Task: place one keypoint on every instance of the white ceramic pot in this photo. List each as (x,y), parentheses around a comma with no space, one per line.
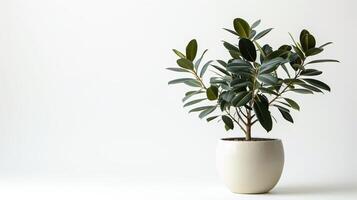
(250,166)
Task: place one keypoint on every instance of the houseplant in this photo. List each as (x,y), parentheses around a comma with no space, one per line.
(243,91)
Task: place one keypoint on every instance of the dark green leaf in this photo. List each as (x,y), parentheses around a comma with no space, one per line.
(204,68)
(193,102)
(270,65)
(313,51)
(282,108)
(234,54)
(241,99)
(191,50)
(231,31)
(261,109)
(176,69)
(292,103)
(262,34)
(221,70)
(230,46)
(212,93)
(325,44)
(228,121)
(308,42)
(286,70)
(310,72)
(322,60)
(211,118)
(301,91)
(247,49)
(241,27)
(184,63)
(206,112)
(221,62)
(310,87)
(201,108)
(318,84)
(268,90)
(286,115)
(268,79)
(178,53)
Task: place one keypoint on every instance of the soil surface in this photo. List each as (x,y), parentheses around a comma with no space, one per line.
(252,139)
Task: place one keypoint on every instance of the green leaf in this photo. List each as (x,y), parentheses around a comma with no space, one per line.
(201,108)
(231,31)
(204,68)
(262,34)
(191,50)
(176,69)
(313,51)
(301,91)
(206,112)
(268,91)
(286,70)
(212,93)
(268,79)
(286,115)
(261,109)
(178,53)
(241,27)
(318,84)
(310,87)
(230,46)
(193,102)
(190,94)
(255,24)
(271,65)
(292,103)
(310,72)
(181,80)
(198,62)
(184,63)
(321,60)
(211,118)
(193,83)
(228,121)
(328,43)
(221,62)
(234,54)
(247,49)
(241,99)
(221,69)
(308,42)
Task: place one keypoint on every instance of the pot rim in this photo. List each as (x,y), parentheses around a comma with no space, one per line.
(254,140)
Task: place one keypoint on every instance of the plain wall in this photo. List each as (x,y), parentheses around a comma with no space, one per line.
(84,94)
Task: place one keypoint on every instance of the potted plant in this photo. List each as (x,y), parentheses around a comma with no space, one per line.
(247,90)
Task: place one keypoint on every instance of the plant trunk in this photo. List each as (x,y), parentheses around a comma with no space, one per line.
(248,135)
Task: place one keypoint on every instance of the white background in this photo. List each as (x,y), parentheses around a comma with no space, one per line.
(85,109)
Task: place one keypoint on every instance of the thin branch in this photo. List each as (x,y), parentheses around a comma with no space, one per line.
(237,122)
(242,112)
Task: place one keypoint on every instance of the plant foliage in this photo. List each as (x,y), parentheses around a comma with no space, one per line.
(254,81)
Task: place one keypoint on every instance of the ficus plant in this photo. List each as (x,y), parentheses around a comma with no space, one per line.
(255,80)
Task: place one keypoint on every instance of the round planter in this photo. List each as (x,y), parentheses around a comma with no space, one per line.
(250,166)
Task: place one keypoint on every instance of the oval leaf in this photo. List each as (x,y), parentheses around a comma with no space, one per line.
(228,121)
(317,83)
(241,27)
(261,109)
(191,50)
(184,63)
(212,93)
(262,34)
(247,49)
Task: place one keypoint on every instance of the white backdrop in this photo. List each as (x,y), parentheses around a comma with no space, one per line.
(84,94)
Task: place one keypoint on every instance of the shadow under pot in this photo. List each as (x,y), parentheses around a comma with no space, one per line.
(250,167)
